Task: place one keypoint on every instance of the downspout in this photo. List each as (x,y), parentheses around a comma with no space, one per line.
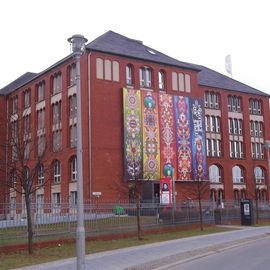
(6,158)
(90,128)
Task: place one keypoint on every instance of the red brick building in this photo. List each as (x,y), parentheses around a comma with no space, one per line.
(237,123)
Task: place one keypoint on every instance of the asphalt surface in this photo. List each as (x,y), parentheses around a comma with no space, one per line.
(161,255)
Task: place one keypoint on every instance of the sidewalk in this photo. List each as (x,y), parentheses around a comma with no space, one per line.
(157,255)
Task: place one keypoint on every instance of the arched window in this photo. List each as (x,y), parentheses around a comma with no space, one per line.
(161,80)
(71,75)
(215,174)
(57,172)
(129,74)
(238,175)
(259,175)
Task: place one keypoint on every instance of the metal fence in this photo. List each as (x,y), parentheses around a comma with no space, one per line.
(107,218)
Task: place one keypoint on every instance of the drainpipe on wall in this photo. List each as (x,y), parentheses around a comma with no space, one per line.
(89,124)
(6,161)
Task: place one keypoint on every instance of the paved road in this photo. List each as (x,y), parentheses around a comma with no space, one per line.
(159,255)
(252,255)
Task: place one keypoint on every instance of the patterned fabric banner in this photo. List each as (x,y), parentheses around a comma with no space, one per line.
(163,136)
(181,107)
(132,134)
(167,136)
(198,139)
(151,147)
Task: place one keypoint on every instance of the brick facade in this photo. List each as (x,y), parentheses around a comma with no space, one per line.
(102,127)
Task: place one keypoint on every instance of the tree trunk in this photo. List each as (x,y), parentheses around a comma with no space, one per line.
(138,206)
(200,206)
(29,223)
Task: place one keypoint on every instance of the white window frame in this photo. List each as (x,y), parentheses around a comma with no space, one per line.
(57,172)
(41,177)
(129,74)
(215,174)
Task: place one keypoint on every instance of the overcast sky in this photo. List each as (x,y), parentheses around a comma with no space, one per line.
(34,32)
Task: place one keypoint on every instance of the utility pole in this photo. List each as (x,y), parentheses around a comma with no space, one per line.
(78,48)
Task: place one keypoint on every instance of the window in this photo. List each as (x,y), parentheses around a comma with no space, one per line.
(256,129)
(73,106)
(73,164)
(181,82)
(71,75)
(57,172)
(27,98)
(129,74)
(255,106)
(215,174)
(235,126)
(145,77)
(56,199)
(57,142)
(236,149)
(15,104)
(234,104)
(40,201)
(211,100)
(213,148)
(257,150)
(26,125)
(161,80)
(41,119)
(236,197)
(73,135)
(107,69)
(207,123)
(13,179)
(13,203)
(41,145)
(40,91)
(73,198)
(259,175)
(99,68)
(56,83)
(56,110)
(238,175)
(26,149)
(41,177)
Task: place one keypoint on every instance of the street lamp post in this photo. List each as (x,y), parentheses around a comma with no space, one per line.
(78,48)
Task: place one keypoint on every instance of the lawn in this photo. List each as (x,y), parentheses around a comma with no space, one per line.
(20,259)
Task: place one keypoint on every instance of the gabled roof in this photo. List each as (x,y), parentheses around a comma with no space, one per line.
(114,43)
(211,78)
(26,77)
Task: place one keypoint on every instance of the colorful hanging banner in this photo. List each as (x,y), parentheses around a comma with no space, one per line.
(181,107)
(163,136)
(198,139)
(167,136)
(150,126)
(132,134)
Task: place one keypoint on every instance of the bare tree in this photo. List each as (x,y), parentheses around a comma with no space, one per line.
(200,190)
(24,161)
(134,190)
